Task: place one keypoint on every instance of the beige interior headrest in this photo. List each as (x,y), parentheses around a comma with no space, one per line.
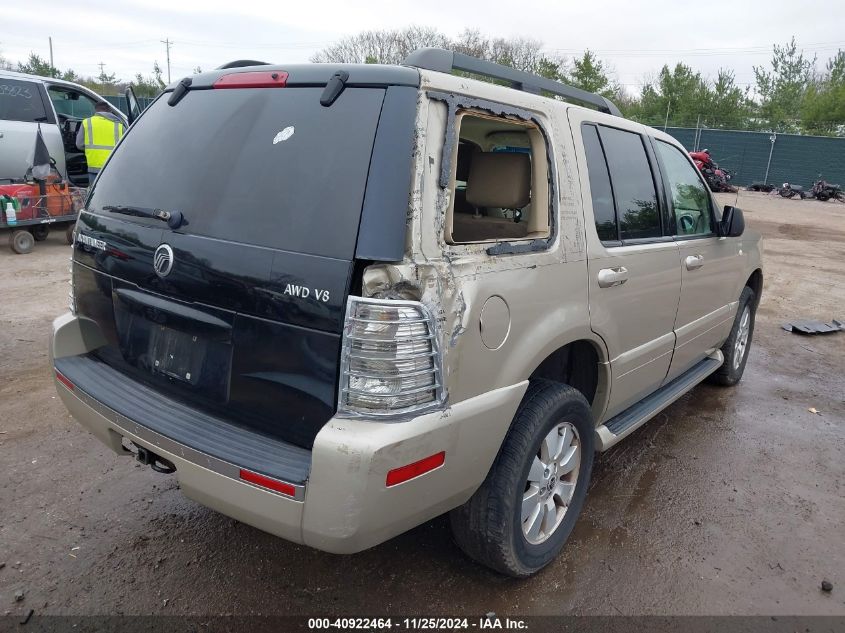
(499,180)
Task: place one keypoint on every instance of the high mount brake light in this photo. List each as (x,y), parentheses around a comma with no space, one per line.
(253,79)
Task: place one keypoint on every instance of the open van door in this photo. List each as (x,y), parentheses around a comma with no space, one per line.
(133,107)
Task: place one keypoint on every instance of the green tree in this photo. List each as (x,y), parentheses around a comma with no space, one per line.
(681,92)
(783,88)
(149,86)
(35,65)
(106,79)
(730,106)
(591,74)
(823,108)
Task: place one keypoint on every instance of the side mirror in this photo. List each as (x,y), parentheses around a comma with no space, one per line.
(733,222)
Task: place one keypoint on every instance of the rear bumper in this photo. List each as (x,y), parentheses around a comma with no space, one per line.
(344,506)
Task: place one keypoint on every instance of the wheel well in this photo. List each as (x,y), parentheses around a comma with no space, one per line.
(575,364)
(755,282)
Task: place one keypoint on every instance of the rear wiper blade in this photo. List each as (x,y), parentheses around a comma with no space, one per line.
(174,219)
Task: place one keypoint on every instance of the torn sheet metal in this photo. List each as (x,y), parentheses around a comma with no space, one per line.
(810,326)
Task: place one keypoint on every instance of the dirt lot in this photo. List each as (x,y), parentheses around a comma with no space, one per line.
(730,502)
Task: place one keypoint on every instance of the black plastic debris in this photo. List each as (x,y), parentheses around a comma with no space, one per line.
(810,326)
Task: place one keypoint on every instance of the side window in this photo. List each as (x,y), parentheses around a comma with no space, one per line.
(20,101)
(633,185)
(70,103)
(690,199)
(604,211)
(499,183)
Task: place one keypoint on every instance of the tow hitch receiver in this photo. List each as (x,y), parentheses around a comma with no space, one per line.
(156,462)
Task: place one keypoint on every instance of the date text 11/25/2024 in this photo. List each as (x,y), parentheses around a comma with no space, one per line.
(487,622)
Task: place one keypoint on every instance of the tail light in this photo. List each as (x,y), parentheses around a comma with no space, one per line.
(390,359)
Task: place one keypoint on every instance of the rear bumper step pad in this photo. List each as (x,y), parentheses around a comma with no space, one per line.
(185,425)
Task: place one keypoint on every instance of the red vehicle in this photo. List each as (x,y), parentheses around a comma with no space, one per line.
(716,177)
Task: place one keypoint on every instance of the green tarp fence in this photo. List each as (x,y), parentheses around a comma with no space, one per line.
(119,102)
(795,158)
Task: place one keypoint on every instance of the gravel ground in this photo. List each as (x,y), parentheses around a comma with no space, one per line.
(732,501)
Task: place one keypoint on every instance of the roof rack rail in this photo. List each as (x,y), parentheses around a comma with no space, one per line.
(240,63)
(445,61)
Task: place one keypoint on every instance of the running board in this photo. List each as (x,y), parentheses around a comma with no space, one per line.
(641,412)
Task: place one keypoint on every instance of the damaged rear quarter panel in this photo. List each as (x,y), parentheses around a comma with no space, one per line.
(545,289)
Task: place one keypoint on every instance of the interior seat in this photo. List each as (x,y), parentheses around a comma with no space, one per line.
(496,180)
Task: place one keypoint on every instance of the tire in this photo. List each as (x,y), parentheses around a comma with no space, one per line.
(22,242)
(786,193)
(489,527)
(735,351)
(823,196)
(40,232)
(69,234)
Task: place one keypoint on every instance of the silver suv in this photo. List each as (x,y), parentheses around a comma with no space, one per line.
(28,102)
(343,300)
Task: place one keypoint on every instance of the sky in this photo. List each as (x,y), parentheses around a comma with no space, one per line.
(635,37)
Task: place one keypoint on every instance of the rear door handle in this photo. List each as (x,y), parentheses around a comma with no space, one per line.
(694,261)
(609,277)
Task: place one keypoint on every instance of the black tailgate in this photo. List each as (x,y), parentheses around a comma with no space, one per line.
(246,325)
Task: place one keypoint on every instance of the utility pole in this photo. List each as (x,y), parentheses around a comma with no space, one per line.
(102,75)
(666,123)
(52,74)
(167,44)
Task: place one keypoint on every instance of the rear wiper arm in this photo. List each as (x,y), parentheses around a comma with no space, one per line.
(174,219)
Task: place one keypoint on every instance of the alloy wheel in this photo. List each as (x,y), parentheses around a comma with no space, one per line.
(551,483)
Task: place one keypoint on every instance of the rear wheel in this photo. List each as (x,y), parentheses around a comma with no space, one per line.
(69,233)
(823,196)
(22,242)
(735,349)
(519,519)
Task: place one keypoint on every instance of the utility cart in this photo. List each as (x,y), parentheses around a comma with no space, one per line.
(29,210)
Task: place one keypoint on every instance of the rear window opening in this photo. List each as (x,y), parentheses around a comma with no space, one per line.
(499,181)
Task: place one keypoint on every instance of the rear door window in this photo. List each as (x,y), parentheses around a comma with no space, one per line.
(21,101)
(634,192)
(604,210)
